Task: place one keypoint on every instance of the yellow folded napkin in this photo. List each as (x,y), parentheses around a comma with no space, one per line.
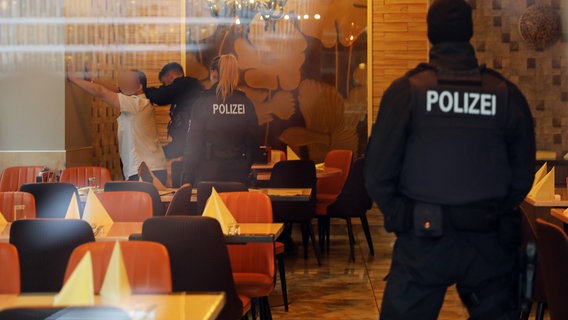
(320,166)
(145,174)
(3,221)
(73,209)
(95,214)
(290,154)
(79,289)
(216,208)
(115,284)
(544,189)
(540,174)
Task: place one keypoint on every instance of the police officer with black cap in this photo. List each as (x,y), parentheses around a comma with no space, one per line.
(451,156)
(223,136)
(179,92)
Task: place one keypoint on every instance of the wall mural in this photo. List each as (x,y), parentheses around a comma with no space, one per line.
(303,66)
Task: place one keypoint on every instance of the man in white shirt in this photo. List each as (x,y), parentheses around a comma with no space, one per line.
(137,133)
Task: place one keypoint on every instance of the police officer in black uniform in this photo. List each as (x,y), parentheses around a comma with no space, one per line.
(451,156)
(180,92)
(223,137)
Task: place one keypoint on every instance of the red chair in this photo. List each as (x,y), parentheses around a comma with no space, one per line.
(9,269)
(253,263)
(13,177)
(9,199)
(79,176)
(552,248)
(127,206)
(147,265)
(329,188)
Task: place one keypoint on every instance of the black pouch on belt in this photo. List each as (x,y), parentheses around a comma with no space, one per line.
(428,220)
(481,217)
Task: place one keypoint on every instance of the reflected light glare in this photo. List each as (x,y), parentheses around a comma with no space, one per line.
(362,66)
(317,16)
(286,17)
(306,17)
(238,21)
(351,37)
(299,17)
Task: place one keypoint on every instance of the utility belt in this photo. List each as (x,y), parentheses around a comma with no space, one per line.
(217,153)
(429,220)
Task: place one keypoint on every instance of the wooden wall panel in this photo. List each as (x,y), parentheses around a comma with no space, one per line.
(399,42)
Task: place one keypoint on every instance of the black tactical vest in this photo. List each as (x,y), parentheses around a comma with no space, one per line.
(456,151)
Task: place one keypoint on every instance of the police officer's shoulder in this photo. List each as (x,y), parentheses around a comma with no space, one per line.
(422,67)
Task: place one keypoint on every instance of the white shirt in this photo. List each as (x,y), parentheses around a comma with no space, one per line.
(138,136)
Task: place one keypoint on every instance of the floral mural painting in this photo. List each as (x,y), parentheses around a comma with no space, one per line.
(272,60)
(327,126)
(306,74)
(330,20)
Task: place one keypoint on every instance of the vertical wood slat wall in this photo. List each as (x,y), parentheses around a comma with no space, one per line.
(399,42)
(119,44)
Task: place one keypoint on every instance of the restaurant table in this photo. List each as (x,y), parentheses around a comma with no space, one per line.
(120,231)
(285,194)
(541,209)
(263,171)
(186,306)
(165,195)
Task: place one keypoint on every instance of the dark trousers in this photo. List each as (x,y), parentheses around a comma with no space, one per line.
(422,269)
(162,175)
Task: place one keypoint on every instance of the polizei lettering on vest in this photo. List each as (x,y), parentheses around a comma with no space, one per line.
(228,108)
(475,103)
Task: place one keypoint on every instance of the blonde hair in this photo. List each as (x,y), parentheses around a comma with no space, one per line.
(228,68)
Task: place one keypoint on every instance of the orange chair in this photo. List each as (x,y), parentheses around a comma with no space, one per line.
(147,265)
(13,177)
(329,188)
(9,269)
(127,206)
(79,176)
(253,263)
(9,199)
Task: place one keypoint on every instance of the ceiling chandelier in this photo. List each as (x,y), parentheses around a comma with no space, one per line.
(243,11)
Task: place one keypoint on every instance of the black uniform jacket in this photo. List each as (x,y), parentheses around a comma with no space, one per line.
(385,157)
(221,131)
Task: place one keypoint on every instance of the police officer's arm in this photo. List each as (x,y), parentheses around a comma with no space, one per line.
(195,141)
(385,152)
(521,148)
(165,95)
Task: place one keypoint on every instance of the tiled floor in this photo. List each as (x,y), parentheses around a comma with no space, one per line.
(340,289)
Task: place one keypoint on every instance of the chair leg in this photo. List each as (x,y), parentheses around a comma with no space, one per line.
(305,239)
(327,232)
(282,272)
(540,308)
(525,313)
(365,224)
(351,239)
(321,232)
(313,237)
(264,308)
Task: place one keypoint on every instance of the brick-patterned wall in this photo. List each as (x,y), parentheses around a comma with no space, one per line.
(399,41)
(542,75)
